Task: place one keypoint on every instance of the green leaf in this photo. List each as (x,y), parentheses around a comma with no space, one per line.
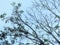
(46,40)
(3,15)
(57,26)
(13,4)
(19,4)
(21,11)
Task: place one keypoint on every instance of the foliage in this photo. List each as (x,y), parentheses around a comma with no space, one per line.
(41,26)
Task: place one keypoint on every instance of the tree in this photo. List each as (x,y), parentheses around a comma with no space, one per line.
(40,25)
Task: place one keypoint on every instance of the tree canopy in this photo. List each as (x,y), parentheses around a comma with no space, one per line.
(40,26)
